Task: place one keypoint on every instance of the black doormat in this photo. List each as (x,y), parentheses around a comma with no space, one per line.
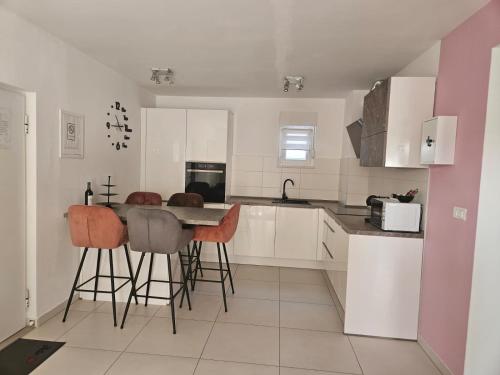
(23,355)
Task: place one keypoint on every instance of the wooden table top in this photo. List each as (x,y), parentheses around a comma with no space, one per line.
(186,215)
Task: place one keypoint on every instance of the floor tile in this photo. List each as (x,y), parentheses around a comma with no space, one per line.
(157,338)
(310,316)
(392,357)
(77,361)
(259,273)
(208,367)
(96,331)
(85,305)
(256,289)
(251,311)
(204,307)
(307,293)
(55,328)
(302,276)
(298,371)
(323,351)
(243,343)
(134,309)
(148,364)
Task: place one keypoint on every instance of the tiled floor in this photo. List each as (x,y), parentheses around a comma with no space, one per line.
(280,321)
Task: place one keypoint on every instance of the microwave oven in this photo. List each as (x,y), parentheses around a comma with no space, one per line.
(391,215)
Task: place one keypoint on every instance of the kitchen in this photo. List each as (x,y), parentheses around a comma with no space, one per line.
(353,249)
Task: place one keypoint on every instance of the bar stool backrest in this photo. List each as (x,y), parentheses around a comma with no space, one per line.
(144,198)
(96,227)
(186,200)
(153,231)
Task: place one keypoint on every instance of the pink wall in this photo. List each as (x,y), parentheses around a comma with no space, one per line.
(449,247)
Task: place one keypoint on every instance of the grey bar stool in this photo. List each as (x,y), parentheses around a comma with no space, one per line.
(156,231)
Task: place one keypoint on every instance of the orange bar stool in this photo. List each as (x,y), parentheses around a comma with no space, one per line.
(221,234)
(98,227)
(144,198)
(189,200)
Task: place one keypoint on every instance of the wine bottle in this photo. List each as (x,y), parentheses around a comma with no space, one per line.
(89,195)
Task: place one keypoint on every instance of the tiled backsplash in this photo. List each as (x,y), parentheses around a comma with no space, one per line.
(357,183)
(260,176)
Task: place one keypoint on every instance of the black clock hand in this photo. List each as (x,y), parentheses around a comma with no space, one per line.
(118,123)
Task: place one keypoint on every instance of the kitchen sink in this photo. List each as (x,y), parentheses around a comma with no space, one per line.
(291,201)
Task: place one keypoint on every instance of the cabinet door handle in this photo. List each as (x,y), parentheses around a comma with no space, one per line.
(327,250)
(328,226)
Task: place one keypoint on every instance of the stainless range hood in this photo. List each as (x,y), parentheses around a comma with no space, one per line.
(354,131)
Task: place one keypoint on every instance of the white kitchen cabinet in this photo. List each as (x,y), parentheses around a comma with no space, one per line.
(163,145)
(383,286)
(207,135)
(393,113)
(335,246)
(296,233)
(438,140)
(256,231)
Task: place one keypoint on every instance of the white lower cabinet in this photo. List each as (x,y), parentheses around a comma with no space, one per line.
(256,231)
(376,279)
(296,233)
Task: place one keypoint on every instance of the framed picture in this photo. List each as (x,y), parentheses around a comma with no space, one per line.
(72,135)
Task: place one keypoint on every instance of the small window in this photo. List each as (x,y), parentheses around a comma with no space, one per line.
(297,145)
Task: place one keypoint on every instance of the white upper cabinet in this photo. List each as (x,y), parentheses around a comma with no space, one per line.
(207,135)
(296,233)
(163,155)
(438,140)
(393,114)
(256,231)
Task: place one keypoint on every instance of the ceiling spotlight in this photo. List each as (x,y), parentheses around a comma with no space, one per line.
(297,81)
(286,85)
(167,74)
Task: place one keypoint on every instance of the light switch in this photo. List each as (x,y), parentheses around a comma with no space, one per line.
(460,213)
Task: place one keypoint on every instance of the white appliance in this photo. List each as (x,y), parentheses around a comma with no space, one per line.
(392,215)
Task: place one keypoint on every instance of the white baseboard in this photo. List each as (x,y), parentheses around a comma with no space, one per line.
(53,312)
(434,357)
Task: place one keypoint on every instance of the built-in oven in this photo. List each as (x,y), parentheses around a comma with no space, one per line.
(206,179)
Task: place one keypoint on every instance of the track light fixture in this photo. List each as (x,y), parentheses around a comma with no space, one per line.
(167,74)
(297,81)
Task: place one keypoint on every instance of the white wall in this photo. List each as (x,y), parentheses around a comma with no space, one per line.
(483,335)
(62,77)
(255,145)
(425,65)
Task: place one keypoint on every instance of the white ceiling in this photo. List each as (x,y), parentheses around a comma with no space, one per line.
(245,47)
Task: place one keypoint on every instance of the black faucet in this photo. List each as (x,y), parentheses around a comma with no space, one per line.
(284,196)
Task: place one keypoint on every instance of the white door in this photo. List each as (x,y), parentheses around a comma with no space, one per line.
(207,135)
(164,144)
(12,214)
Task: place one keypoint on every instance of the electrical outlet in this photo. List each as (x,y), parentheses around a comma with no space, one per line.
(460,213)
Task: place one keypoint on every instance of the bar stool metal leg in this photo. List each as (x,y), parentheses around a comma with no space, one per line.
(171,292)
(228,267)
(130,272)
(185,289)
(222,277)
(97,273)
(112,276)
(150,272)
(198,258)
(133,289)
(75,283)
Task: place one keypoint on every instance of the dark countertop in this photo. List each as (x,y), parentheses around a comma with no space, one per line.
(351,219)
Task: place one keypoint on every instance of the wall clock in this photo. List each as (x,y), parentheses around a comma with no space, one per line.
(117,126)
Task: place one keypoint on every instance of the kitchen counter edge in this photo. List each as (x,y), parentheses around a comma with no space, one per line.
(351,219)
